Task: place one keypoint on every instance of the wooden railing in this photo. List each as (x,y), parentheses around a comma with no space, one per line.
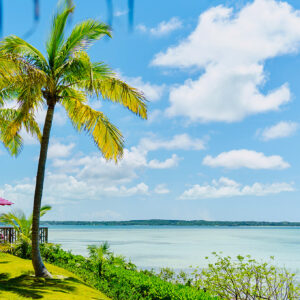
(9,235)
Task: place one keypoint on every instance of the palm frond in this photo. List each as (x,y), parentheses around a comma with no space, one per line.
(106,136)
(11,122)
(81,37)
(116,90)
(14,143)
(45,209)
(16,72)
(15,45)
(75,68)
(15,219)
(56,38)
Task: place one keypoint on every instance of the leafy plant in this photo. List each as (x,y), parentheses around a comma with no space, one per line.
(22,225)
(120,281)
(166,274)
(246,278)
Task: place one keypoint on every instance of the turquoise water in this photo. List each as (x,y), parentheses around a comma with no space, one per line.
(182,247)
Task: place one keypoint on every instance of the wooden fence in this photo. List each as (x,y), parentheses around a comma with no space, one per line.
(9,235)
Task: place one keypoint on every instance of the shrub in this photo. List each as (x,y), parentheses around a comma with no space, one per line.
(118,278)
(245,278)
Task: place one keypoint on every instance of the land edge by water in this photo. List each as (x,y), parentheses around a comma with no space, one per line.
(161,222)
(17,282)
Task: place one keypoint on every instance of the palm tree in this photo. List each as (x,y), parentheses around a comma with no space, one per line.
(66,77)
(22,224)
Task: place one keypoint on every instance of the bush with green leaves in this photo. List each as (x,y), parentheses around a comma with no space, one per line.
(245,278)
(23,228)
(118,278)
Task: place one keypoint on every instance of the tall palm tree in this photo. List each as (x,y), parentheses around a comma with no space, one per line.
(65,76)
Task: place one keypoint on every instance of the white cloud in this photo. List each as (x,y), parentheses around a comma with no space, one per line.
(280,130)
(63,188)
(225,187)
(57,150)
(28,139)
(178,142)
(244,158)
(78,177)
(168,163)
(161,189)
(96,170)
(154,116)
(231,49)
(152,92)
(163,28)
(166,27)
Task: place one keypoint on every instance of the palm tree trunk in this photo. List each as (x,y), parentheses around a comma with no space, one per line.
(39,267)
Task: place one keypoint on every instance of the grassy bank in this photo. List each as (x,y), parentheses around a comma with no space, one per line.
(17,282)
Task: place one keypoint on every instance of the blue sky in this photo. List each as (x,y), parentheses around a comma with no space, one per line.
(222,138)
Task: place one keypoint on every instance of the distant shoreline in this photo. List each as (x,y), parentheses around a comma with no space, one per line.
(157,222)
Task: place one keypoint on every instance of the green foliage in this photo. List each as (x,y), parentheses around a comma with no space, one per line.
(245,278)
(22,225)
(166,274)
(119,279)
(65,76)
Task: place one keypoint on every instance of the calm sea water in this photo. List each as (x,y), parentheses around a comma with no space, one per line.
(182,247)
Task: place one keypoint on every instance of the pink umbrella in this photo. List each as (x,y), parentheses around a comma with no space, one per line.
(5,202)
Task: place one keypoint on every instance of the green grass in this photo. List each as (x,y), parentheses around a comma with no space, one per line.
(17,282)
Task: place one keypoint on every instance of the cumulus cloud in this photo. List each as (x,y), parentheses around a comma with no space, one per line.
(161,189)
(152,92)
(57,150)
(64,188)
(95,168)
(154,116)
(78,177)
(225,187)
(178,142)
(280,130)
(163,28)
(232,57)
(244,158)
(168,163)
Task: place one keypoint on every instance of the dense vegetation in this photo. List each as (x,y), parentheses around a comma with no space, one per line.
(115,277)
(157,222)
(224,278)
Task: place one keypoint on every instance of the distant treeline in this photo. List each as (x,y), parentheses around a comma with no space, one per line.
(157,222)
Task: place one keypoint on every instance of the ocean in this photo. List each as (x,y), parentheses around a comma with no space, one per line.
(184,247)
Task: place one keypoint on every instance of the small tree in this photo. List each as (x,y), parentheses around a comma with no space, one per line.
(23,227)
(245,278)
(98,254)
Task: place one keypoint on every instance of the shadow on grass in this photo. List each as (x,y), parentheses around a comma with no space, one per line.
(35,288)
